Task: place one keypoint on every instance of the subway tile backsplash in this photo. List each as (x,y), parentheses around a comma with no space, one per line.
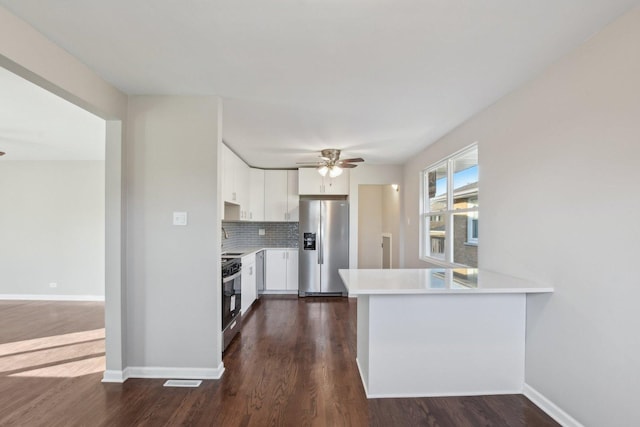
(245,235)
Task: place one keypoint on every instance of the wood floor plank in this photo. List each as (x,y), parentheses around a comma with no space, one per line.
(293,364)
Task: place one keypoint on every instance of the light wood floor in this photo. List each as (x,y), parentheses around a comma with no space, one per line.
(292,365)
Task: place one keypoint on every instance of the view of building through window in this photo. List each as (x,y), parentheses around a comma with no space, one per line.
(450,209)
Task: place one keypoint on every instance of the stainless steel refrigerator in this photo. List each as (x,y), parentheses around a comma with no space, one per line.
(324,246)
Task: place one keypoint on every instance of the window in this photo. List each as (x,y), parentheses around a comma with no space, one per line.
(449,229)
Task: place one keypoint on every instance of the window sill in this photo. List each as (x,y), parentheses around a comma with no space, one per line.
(471,244)
(439,263)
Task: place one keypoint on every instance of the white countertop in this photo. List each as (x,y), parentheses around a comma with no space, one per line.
(435,281)
(241,252)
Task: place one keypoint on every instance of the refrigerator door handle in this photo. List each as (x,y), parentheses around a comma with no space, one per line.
(319,243)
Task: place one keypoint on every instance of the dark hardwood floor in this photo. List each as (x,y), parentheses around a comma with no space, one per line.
(292,365)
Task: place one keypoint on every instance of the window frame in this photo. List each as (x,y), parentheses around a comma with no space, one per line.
(448,213)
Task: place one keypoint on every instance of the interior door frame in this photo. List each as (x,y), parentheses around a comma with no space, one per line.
(390,237)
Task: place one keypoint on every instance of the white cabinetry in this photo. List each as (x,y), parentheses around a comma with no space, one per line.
(292,270)
(281,270)
(256,194)
(311,182)
(281,195)
(248,282)
(236,186)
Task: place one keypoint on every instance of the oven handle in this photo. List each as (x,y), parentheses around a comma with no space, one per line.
(232,277)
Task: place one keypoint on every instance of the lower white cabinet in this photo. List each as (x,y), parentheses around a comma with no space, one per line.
(248,282)
(281,270)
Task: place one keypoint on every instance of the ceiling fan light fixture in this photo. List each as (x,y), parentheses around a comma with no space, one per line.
(335,171)
(322,170)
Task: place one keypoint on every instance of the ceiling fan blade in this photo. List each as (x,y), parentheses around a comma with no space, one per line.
(347,165)
(310,163)
(354,160)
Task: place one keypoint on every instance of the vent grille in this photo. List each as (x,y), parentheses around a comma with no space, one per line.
(183,383)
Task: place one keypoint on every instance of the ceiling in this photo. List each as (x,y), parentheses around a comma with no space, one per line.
(379,79)
(38,125)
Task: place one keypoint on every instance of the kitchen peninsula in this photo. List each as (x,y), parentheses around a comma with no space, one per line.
(440,332)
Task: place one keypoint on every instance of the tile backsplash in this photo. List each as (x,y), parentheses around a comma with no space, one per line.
(245,235)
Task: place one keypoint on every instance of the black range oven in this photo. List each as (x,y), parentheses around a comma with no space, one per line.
(231,299)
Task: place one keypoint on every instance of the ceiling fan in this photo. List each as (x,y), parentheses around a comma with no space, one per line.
(330,163)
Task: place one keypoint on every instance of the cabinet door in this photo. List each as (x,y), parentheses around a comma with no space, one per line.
(293,199)
(275,197)
(292,269)
(256,194)
(228,178)
(275,269)
(242,188)
(338,185)
(309,181)
(248,282)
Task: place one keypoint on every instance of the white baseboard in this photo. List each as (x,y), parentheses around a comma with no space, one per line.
(279,292)
(174,373)
(443,394)
(549,407)
(36,297)
(111,376)
(366,392)
(415,395)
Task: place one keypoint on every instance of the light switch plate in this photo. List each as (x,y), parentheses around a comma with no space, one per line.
(260,231)
(179,218)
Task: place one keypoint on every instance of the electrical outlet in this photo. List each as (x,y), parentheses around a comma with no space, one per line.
(53,285)
(260,231)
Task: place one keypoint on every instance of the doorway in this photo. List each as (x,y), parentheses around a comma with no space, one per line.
(378,223)
(53,223)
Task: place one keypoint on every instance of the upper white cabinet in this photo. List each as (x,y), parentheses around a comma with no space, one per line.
(293,200)
(310,182)
(250,194)
(281,195)
(256,195)
(235,185)
(228,175)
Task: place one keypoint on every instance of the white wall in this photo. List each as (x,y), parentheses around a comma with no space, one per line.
(369,226)
(369,174)
(391,221)
(26,52)
(558,203)
(52,228)
(173,289)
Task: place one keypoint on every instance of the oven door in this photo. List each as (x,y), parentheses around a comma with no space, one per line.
(230,298)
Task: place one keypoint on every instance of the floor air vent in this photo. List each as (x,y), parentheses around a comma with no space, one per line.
(183,383)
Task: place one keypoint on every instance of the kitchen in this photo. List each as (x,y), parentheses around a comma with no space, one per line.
(554,151)
(265,212)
